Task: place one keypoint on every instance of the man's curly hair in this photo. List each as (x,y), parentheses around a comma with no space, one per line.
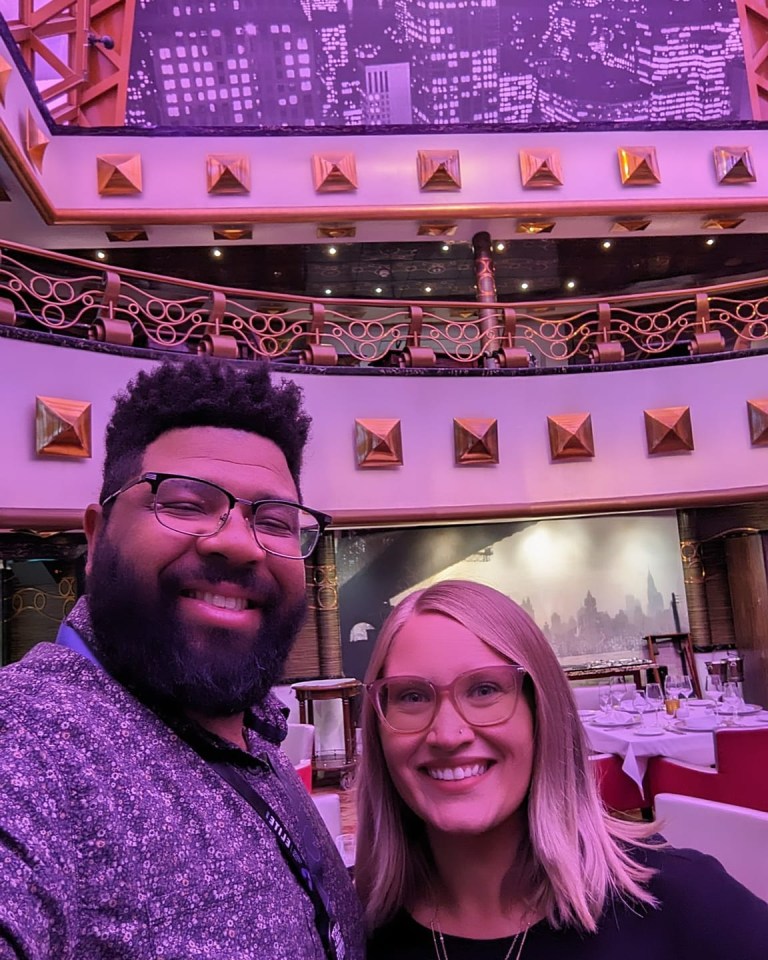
(201,393)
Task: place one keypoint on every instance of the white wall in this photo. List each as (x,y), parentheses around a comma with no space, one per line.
(429,480)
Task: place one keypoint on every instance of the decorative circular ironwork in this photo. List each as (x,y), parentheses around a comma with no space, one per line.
(746,310)
(165,334)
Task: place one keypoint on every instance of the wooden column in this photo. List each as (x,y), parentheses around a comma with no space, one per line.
(748,583)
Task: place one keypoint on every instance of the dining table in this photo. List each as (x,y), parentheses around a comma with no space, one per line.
(636,746)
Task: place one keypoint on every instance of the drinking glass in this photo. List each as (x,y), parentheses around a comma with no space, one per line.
(713,691)
(686,686)
(604,697)
(655,699)
(617,689)
(672,691)
(731,701)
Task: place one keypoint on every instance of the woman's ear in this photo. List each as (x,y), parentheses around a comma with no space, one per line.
(93,521)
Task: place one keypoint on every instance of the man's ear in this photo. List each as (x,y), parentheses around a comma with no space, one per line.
(93,521)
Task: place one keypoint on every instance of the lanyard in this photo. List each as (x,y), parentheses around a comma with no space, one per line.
(327,925)
(306,874)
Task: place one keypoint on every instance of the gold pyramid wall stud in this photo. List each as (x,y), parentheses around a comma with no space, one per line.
(722,223)
(5,75)
(540,168)
(757,411)
(118,174)
(437,229)
(62,427)
(334,172)
(35,141)
(570,435)
(734,165)
(475,441)
(336,231)
(227,174)
(535,226)
(129,235)
(438,169)
(232,233)
(378,443)
(630,225)
(668,430)
(638,166)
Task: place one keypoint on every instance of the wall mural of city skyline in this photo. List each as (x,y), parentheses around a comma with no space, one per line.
(595,585)
(434,63)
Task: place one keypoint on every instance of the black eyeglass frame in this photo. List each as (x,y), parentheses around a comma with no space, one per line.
(372,690)
(155,479)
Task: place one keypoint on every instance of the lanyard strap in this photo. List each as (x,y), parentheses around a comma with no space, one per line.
(327,925)
(307,875)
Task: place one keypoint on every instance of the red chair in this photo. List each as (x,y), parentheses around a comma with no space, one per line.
(740,777)
(618,791)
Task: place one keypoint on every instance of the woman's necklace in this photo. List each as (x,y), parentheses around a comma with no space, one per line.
(442,954)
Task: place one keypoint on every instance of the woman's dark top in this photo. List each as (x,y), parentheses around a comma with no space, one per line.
(703,914)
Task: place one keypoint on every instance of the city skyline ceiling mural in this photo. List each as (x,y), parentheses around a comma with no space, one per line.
(435,63)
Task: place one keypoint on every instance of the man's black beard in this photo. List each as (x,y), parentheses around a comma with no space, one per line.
(141,642)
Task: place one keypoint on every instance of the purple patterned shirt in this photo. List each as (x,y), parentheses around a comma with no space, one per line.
(118,841)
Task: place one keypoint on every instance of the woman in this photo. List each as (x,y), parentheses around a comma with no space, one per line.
(481,832)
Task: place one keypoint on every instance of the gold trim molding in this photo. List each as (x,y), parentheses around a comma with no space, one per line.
(334,172)
(378,443)
(35,141)
(668,430)
(757,411)
(228,174)
(570,436)
(438,169)
(734,165)
(475,441)
(638,166)
(5,75)
(135,235)
(119,174)
(62,427)
(540,169)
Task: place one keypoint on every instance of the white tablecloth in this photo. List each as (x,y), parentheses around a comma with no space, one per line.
(698,748)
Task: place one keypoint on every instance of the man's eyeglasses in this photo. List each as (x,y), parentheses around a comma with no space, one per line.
(200,508)
(482,697)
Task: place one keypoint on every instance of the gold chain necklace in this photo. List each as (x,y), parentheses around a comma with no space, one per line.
(442,954)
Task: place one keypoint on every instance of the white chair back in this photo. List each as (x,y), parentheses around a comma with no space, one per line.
(329,807)
(736,836)
(299,742)
(587,696)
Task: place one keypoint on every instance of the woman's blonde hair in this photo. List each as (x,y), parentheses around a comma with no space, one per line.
(575,850)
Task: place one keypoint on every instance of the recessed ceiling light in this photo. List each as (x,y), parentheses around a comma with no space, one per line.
(378,290)
(500,247)
(607,244)
(445,247)
(427,289)
(100,255)
(571,284)
(524,285)
(328,291)
(710,241)
(332,251)
(216,252)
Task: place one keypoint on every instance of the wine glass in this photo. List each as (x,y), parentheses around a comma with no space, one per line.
(604,697)
(617,689)
(731,701)
(655,699)
(686,686)
(713,691)
(672,691)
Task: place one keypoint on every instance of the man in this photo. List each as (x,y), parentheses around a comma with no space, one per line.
(145,807)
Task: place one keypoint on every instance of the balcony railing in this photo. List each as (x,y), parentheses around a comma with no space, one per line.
(42,290)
